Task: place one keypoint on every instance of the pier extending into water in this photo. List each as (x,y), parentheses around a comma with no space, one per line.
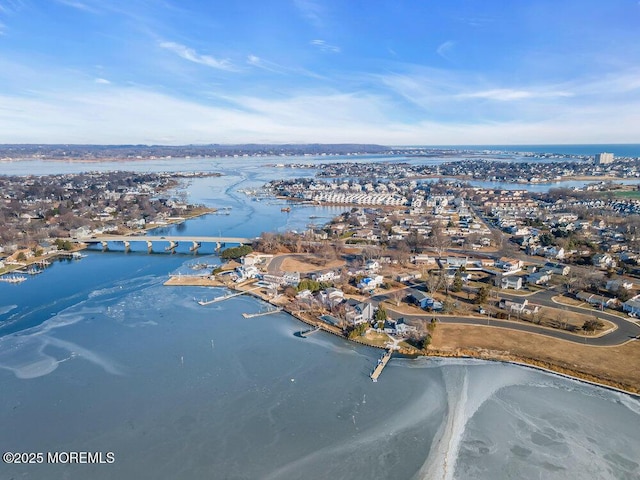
(306,333)
(260,314)
(382,362)
(226,297)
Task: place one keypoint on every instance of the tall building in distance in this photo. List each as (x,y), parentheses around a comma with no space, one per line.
(604,158)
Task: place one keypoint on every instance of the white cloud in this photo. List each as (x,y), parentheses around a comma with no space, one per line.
(193,56)
(131,115)
(445,48)
(508,94)
(102,81)
(325,47)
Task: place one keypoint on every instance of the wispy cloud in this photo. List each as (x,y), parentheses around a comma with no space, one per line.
(102,81)
(312,11)
(129,115)
(444,49)
(324,46)
(508,94)
(195,57)
(78,5)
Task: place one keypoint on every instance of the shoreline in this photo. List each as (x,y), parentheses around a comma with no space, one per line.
(556,368)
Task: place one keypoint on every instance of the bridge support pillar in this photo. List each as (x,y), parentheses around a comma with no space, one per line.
(172,247)
(127,246)
(194,248)
(105,246)
(149,247)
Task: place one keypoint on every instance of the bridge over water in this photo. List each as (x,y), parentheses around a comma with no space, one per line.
(163,238)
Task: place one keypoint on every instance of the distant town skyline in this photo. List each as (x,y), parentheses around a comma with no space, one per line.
(457,72)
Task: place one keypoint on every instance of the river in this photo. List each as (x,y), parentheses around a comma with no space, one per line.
(97,355)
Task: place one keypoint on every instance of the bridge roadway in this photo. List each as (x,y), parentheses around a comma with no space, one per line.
(164,238)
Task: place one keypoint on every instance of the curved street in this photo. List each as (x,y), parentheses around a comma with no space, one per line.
(626,330)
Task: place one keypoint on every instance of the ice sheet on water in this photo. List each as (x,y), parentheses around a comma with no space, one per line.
(7,308)
(26,353)
(468,386)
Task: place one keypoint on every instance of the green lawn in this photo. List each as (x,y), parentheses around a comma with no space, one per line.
(632,194)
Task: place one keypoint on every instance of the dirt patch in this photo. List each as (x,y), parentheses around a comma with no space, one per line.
(615,366)
(308,263)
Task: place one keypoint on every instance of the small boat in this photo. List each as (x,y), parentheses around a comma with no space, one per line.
(285,209)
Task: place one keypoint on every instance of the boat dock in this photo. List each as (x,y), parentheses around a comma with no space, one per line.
(226,297)
(382,362)
(306,333)
(260,314)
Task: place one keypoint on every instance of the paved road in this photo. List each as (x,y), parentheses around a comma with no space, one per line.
(627,329)
(625,332)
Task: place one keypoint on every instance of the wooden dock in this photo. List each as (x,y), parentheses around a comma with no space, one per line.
(382,362)
(227,296)
(260,314)
(306,333)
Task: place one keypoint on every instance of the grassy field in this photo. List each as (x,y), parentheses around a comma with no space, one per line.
(631,194)
(617,366)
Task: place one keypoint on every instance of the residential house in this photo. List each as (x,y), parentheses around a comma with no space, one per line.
(420,298)
(358,312)
(508,281)
(403,328)
(372,266)
(539,278)
(519,306)
(615,285)
(280,279)
(245,273)
(603,260)
(632,306)
(594,299)
(510,265)
(325,276)
(370,283)
(330,297)
(408,276)
(423,260)
(557,268)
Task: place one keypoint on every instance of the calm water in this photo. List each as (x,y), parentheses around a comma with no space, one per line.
(98,355)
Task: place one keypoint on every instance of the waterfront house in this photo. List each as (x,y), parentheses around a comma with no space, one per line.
(358,312)
(330,297)
(245,273)
(403,328)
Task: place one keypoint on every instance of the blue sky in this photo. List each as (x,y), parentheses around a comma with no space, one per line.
(401,72)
